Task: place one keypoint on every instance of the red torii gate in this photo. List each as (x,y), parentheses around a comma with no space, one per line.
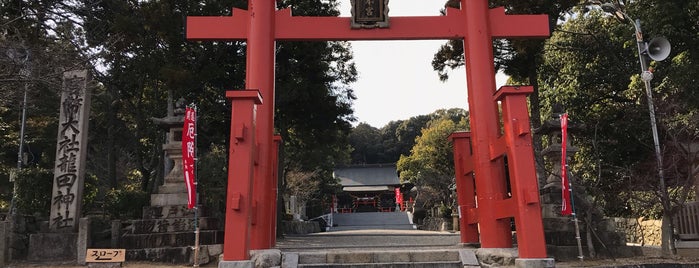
(251,194)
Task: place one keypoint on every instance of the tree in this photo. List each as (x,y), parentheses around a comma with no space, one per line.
(591,67)
(366,143)
(146,53)
(430,164)
(37,43)
(516,58)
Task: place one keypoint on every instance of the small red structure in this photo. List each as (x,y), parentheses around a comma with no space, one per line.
(261,25)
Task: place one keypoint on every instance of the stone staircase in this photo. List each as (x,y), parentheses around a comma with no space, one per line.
(166,231)
(372,220)
(375,239)
(431,258)
(166,234)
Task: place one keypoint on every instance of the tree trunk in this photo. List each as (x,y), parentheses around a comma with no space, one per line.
(111,136)
(667,235)
(535,119)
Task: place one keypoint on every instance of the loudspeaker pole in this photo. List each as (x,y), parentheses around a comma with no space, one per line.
(647,76)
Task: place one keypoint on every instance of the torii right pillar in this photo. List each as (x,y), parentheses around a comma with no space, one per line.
(497,204)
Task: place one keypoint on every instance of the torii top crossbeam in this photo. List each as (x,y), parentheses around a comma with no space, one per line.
(290,28)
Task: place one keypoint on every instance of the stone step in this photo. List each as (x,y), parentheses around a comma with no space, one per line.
(175,255)
(373,218)
(168,199)
(172,211)
(385,258)
(171,225)
(170,188)
(164,240)
(440,264)
(380,256)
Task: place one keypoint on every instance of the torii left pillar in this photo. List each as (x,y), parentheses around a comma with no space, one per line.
(261,25)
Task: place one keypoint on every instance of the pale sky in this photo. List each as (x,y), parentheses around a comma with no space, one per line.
(396,80)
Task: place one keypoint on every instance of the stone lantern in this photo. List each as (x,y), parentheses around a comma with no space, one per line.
(558,230)
(173,191)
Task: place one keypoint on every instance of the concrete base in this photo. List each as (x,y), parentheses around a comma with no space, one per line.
(687,248)
(236,264)
(53,247)
(535,263)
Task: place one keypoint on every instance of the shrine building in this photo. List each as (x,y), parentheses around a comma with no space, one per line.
(369,188)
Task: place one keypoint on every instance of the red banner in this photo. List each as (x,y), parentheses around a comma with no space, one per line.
(189,131)
(566,208)
(399,197)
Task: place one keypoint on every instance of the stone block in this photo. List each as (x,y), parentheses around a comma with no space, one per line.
(168,212)
(172,188)
(204,256)
(687,248)
(53,246)
(468,257)
(688,252)
(290,259)
(535,263)
(497,256)
(173,255)
(434,255)
(350,257)
(266,258)
(157,240)
(170,225)
(215,250)
(168,199)
(236,264)
(301,227)
(391,256)
(312,257)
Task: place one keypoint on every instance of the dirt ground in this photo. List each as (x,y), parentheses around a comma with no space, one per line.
(628,261)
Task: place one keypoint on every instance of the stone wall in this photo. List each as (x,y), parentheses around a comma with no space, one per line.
(435,224)
(300,227)
(639,231)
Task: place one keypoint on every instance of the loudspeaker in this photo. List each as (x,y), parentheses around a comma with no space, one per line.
(658,48)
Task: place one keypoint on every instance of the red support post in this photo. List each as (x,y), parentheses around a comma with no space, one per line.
(465,187)
(490,178)
(260,75)
(523,181)
(240,174)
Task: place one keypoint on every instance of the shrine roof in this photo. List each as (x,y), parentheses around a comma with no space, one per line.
(367,175)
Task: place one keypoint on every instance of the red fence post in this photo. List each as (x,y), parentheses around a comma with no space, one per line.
(465,187)
(523,181)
